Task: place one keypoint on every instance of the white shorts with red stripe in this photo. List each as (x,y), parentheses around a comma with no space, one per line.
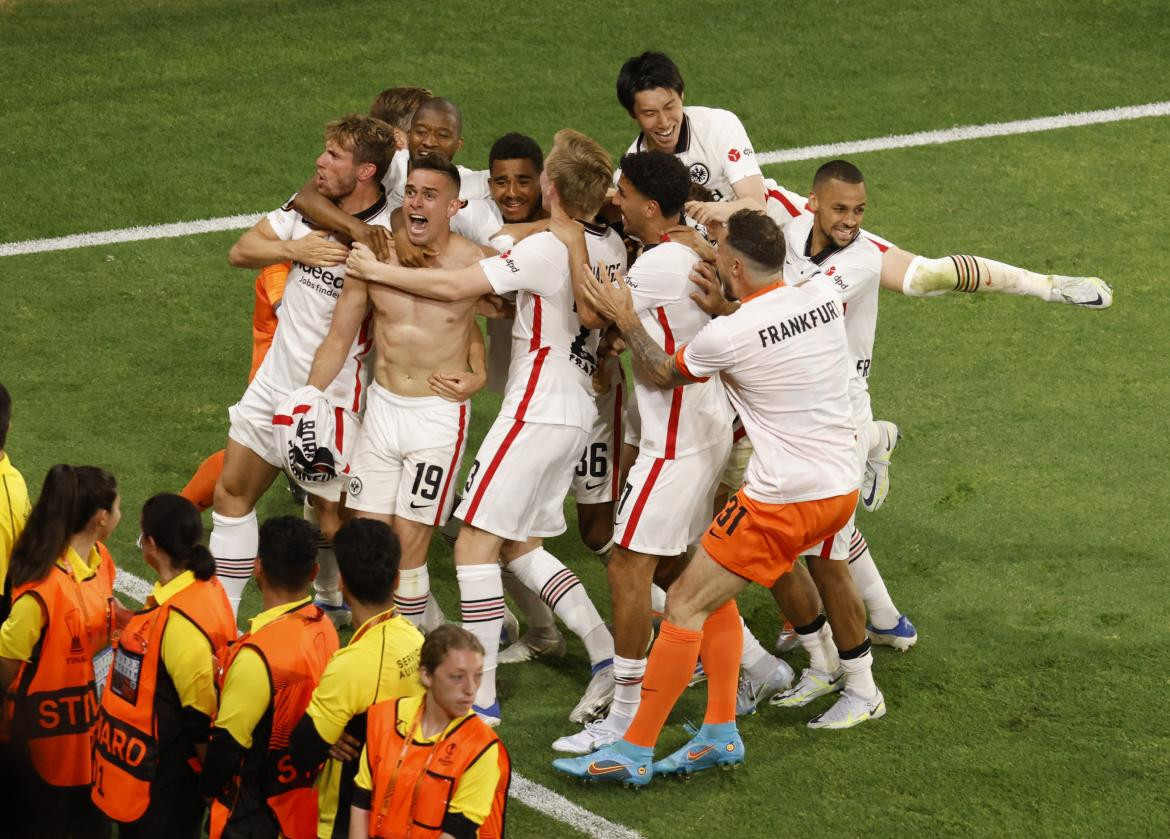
(667,504)
(251,427)
(517,485)
(848,543)
(595,480)
(408,456)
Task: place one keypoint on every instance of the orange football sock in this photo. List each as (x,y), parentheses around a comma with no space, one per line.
(719,652)
(672,661)
(200,490)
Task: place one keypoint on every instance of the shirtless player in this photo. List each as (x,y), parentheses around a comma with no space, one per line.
(418,409)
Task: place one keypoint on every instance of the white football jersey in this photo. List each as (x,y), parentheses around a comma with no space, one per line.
(553,355)
(472,183)
(784,360)
(686,419)
(853,273)
(479,219)
(306,311)
(715,148)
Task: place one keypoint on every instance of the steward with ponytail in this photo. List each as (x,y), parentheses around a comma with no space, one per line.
(162,694)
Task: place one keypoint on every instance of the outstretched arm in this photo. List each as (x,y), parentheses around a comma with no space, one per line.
(447,284)
(348,315)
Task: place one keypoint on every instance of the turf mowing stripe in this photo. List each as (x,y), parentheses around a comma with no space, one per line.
(966,132)
(892,141)
(528,792)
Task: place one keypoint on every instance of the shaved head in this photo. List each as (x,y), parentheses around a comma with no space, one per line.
(439,105)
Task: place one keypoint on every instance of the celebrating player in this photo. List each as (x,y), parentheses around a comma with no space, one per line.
(515,490)
(783,360)
(349,172)
(418,408)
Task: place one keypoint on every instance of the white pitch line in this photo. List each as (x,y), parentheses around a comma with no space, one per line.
(966,132)
(540,798)
(893,141)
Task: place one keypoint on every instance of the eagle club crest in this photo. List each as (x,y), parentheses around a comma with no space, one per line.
(699,173)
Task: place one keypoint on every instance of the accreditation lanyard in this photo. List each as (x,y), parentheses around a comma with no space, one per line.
(406,744)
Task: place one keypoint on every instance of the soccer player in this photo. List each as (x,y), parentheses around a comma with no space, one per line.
(437,126)
(712,143)
(349,172)
(156,712)
(784,363)
(273,671)
(418,408)
(514,494)
(402,790)
(14,504)
(685,434)
(380,662)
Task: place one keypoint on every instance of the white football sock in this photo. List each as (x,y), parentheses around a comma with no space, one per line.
(563,592)
(754,660)
(657,599)
(627,691)
(412,593)
(822,654)
(481,599)
(538,617)
(883,614)
(859,674)
(234,542)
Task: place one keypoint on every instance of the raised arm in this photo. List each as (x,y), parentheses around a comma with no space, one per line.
(447,284)
(260,246)
(348,315)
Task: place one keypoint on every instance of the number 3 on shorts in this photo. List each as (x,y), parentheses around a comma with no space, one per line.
(730,516)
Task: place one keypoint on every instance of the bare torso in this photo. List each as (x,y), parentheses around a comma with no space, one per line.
(415,337)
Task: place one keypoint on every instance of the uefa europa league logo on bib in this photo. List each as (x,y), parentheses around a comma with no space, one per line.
(73,624)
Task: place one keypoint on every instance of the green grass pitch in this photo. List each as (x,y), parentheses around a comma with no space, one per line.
(1024,534)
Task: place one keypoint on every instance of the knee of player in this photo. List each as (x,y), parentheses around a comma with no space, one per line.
(228,501)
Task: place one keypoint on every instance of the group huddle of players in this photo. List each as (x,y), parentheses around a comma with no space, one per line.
(365,399)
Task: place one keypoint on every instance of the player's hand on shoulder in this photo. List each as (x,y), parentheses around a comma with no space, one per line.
(709,297)
(457,387)
(567,231)
(376,238)
(317,250)
(409,254)
(692,239)
(361,263)
(611,297)
(707,213)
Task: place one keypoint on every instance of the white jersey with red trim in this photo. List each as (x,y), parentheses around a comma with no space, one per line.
(306,311)
(479,220)
(553,355)
(783,205)
(853,273)
(715,148)
(473,183)
(783,357)
(686,419)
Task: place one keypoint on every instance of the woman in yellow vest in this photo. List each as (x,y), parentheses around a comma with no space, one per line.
(62,616)
(431,767)
(156,710)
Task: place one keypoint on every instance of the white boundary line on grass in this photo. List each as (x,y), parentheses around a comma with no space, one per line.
(540,798)
(893,141)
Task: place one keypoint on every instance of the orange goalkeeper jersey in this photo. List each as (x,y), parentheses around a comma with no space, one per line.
(269,290)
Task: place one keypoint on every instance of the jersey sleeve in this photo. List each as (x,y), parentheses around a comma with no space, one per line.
(476,787)
(656,283)
(852,281)
(284,220)
(738,155)
(22,628)
(709,352)
(272,279)
(246,692)
(187,655)
(538,264)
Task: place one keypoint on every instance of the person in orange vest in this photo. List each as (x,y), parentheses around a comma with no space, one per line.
(431,767)
(273,669)
(62,616)
(155,715)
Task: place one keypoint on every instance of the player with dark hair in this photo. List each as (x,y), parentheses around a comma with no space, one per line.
(429,361)
(380,662)
(396,106)
(271,674)
(711,143)
(514,165)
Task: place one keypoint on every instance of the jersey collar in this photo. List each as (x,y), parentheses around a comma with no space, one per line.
(759,291)
(162,593)
(268,616)
(590,227)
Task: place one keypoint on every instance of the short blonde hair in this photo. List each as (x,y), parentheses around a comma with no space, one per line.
(581,170)
(370,140)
